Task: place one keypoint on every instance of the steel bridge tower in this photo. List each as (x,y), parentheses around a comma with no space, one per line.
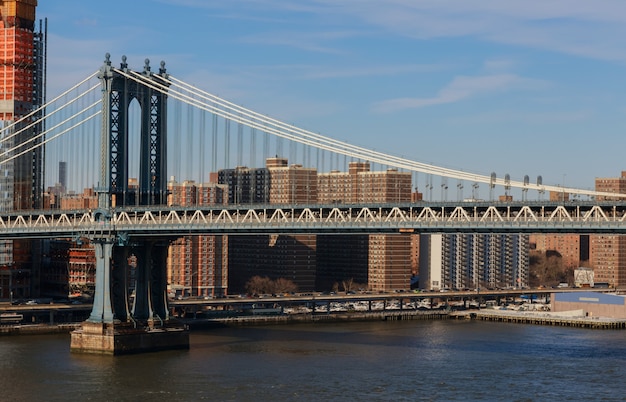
(115,312)
(118,92)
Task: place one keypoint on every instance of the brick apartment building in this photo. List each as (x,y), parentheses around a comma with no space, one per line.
(380,262)
(573,248)
(608,252)
(275,256)
(320,262)
(197,266)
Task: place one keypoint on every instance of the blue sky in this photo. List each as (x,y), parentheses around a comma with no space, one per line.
(524,87)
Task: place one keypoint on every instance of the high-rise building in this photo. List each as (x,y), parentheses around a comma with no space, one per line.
(573,248)
(291,184)
(608,252)
(468,261)
(246,185)
(360,185)
(275,256)
(378,262)
(22,91)
(197,266)
(611,185)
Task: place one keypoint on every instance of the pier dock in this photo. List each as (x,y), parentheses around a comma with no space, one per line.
(541,318)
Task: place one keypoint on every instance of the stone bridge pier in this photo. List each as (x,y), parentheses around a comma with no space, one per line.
(130,312)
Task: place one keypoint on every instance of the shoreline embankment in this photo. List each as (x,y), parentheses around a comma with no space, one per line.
(570,319)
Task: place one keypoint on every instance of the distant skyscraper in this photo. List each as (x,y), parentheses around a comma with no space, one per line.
(63,175)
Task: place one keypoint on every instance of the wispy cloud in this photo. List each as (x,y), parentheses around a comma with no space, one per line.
(310,41)
(461,88)
(371,70)
(582,28)
(315,72)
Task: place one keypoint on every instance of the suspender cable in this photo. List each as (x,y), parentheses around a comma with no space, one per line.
(283,130)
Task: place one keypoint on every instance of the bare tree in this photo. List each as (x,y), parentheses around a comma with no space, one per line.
(259,285)
(283,285)
(264,285)
(347,284)
(546,268)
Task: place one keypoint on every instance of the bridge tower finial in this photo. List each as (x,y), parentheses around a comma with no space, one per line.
(146,67)
(162,70)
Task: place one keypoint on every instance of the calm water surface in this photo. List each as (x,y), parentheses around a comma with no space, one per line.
(377,361)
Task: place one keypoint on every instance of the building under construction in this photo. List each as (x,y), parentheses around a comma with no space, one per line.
(22,93)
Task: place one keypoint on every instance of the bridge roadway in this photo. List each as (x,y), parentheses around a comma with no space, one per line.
(235,302)
(61,312)
(47,313)
(421,217)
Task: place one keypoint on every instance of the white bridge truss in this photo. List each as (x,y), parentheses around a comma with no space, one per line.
(539,217)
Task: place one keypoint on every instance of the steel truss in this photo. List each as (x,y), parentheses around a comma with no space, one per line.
(388,218)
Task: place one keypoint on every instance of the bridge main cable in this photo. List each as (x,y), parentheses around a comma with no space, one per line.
(43,133)
(276,127)
(45,106)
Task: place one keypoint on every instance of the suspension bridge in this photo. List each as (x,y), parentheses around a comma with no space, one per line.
(127,135)
(106,141)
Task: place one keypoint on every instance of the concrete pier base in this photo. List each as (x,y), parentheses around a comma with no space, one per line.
(119,339)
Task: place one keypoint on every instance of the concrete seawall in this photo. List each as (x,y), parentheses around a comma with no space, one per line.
(34,329)
(308,318)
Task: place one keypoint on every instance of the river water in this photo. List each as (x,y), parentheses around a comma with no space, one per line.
(368,361)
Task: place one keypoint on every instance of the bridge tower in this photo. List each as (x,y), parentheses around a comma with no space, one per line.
(118,323)
(119,90)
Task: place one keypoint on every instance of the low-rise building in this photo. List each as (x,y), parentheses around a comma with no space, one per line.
(594,304)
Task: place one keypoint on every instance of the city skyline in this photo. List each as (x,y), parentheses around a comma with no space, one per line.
(488,87)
